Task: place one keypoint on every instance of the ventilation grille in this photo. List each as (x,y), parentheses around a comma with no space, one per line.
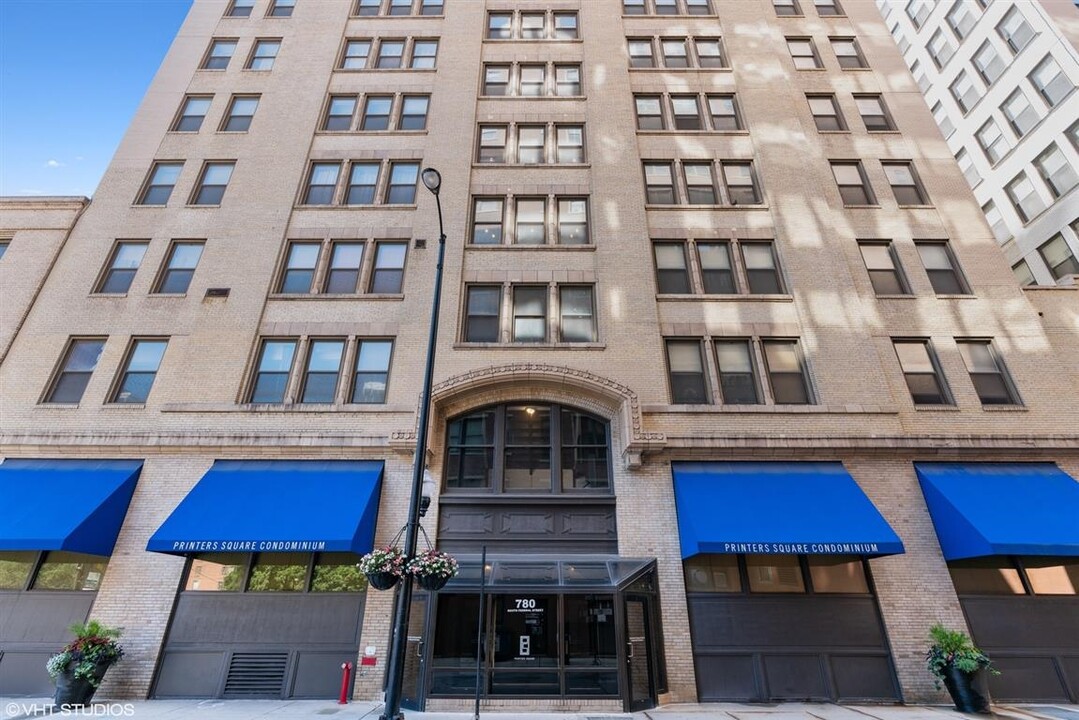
(256,675)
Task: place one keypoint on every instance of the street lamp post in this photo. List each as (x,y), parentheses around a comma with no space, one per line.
(395,670)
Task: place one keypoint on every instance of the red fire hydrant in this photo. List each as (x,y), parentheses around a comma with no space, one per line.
(346,673)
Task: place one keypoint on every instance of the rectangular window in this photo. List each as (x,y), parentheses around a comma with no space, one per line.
(1023,275)
(659,183)
(724,112)
(139,371)
(573,221)
(274,365)
(874,114)
(372,371)
(672,272)
(531,216)
(1020,113)
(368,7)
(431,7)
(941,116)
(942,268)
(162,180)
(482,312)
(737,380)
(1050,81)
(687,113)
(666,7)
(219,54)
(940,48)
(716,271)
(376,113)
(633,7)
(578,318)
(565,26)
(300,263)
(686,370)
(389,273)
(853,185)
(530,313)
(487,221)
(322,372)
(123,264)
(966,164)
(700,185)
(402,187)
(264,55)
(413,112)
(192,113)
(211,187)
(905,185)
(826,114)
(918,11)
(786,372)
(1015,30)
(1056,171)
(1059,257)
(241,112)
(362,181)
(424,55)
(786,8)
(499,26)
(533,26)
(179,268)
(674,53)
(339,113)
(530,144)
(698,7)
(848,53)
(570,140)
(390,53)
(533,80)
(3,248)
(996,221)
(640,54)
(994,143)
(921,371)
(400,7)
(496,80)
(883,267)
(827,8)
(75,370)
(1025,198)
(762,269)
(343,277)
(321,184)
(567,80)
(965,92)
(988,63)
(282,8)
(356,54)
(649,113)
(961,19)
(987,372)
(804,53)
(492,144)
(741,183)
(240,8)
(710,54)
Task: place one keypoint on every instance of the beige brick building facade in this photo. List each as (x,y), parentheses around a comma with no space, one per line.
(281,109)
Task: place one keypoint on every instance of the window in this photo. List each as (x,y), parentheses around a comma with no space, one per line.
(572,221)
(1020,113)
(492,144)
(273,368)
(533,80)
(687,113)
(322,372)
(666,7)
(496,79)
(853,186)
(75,370)
(431,7)
(123,264)
(322,184)
(994,143)
(1056,171)
(570,140)
(940,48)
(961,19)
(717,275)
(368,7)
(413,112)
(241,112)
(530,144)
(1050,81)
(698,7)
(762,270)
(3,247)
(674,53)
(219,54)
(988,63)
(804,53)
(339,114)
(70,571)
(499,26)
(567,80)
(874,114)
(530,313)
(180,267)
(400,7)
(533,26)
(640,54)
(724,112)
(487,221)
(140,369)
(372,371)
(828,7)
(565,26)
(737,381)
(826,113)
(274,572)
(424,54)
(211,187)
(786,8)
(905,185)
(240,8)
(162,180)
(1023,275)
(482,312)
(700,185)
(1015,30)
(1059,257)
(402,186)
(672,274)
(282,8)
(1073,135)
(633,7)
(883,267)
(1025,198)
(300,263)
(964,91)
(343,276)
(376,113)
(941,267)
(918,11)
(848,53)
(356,53)
(390,53)
(531,226)
(649,113)
(996,221)
(966,164)
(710,54)
(920,369)
(686,372)
(264,54)
(389,271)
(919,76)
(941,116)
(659,184)
(577,321)
(987,372)
(741,183)
(192,113)
(786,372)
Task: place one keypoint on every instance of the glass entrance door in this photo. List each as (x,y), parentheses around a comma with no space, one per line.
(411,687)
(642,692)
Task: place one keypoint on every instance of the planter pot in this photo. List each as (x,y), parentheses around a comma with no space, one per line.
(969,691)
(73,691)
(433,583)
(382,580)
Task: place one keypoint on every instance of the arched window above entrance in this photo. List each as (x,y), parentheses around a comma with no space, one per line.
(532,448)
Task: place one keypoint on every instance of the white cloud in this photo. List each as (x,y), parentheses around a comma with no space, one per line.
(54,164)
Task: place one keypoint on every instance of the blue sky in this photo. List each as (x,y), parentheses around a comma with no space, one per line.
(72,73)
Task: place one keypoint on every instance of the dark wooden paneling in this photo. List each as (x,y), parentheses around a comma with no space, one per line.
(537,526)
(33,626)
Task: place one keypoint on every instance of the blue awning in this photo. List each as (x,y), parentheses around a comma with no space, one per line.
(276,506)
(812,508)
(981,509)
(72,505)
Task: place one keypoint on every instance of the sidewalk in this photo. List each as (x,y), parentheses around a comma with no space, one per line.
(19,708)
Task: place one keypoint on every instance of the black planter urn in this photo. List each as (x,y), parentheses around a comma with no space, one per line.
(73,691)
(432,583)
(382,580)
(969,691)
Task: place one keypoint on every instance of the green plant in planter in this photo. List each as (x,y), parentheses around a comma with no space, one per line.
(954,648)
(85,659)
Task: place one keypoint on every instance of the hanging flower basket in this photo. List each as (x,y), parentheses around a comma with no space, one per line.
(383,567)
(432,569)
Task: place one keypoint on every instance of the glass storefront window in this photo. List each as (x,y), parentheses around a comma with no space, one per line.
(528,449)
(455,634)
(837,574)
(15,569)
(713,573)
(584,452)
(1052,576)
(70,571)
(338,572)
(775,574)
(279,572)
(470,458)
(589,633)
(525,629)
(986,576)
(219,572)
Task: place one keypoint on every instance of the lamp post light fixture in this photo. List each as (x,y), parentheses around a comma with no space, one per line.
(395,669)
